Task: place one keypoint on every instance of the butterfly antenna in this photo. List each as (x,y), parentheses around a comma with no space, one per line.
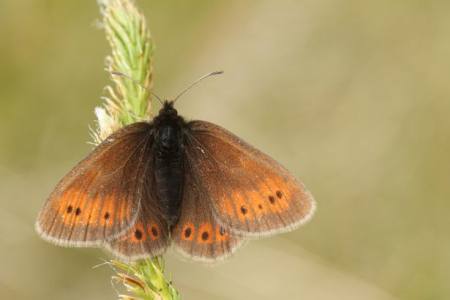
(195,83)
(138,83)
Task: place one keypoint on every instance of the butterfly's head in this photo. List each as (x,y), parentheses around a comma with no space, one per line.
(167,113)
(168,109)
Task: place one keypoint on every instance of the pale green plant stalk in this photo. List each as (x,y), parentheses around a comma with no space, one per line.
(126,102)
(132,54)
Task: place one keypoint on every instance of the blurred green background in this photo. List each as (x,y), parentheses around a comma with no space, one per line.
(352,96)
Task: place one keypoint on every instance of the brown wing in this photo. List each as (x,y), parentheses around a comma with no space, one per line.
(148,237)
(197,234)
(251,193)
(100,198)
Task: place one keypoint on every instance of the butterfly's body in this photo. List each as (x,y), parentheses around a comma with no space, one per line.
(191,183)
(169,161)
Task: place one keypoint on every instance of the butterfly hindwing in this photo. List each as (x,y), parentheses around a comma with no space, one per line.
(148,237)
(100,198)
(197,234)
(250,193)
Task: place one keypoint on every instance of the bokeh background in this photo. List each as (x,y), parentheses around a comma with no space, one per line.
(352,96)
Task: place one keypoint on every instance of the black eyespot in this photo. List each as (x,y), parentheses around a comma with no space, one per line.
(279,194)
(244,210)
(106,216)
(154,231)
(205,236)
(272,199)
(221,230)
(138,234)
(69,209)
(187,232)
(77,211)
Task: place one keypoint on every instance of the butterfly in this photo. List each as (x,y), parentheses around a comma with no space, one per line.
(192,184)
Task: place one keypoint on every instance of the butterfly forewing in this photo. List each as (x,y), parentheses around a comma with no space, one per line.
(100,198)
(197,234)
(251,193)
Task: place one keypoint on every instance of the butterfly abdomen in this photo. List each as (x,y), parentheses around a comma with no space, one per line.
(169,170)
